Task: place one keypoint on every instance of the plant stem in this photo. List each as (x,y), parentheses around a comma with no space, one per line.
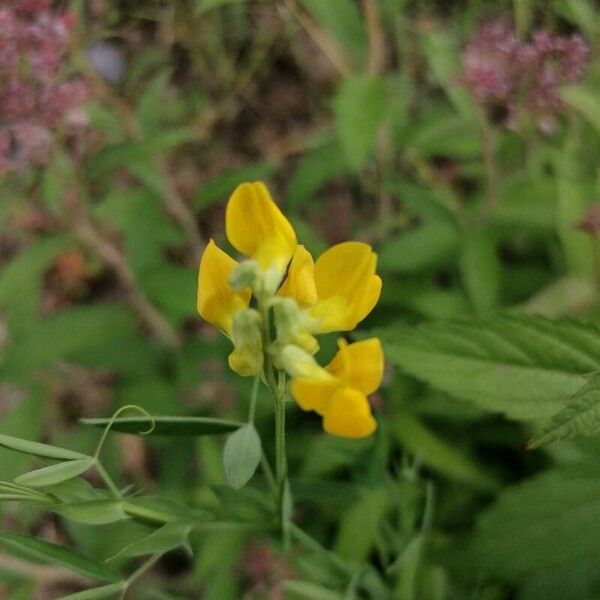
(281,462)
(107,479)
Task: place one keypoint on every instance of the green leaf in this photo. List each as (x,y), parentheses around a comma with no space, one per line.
(429,246)
(585,101)
(99,593)
(443,54)
(92,512)
(219,189)
(41,551)
(481,270)
(436,453)
(543,523)
(315,169)
(525,367)
(343,21)
(56,473)
(359,107)
(359,525)
(168,537)
(241,456)
(130,154)
(155,511)
(581,416)
(21,282)
(304,590)
(175,426)
(94,335)
(37,449)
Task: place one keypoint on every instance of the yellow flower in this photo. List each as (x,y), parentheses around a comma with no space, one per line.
(257,228)
(340,289)
(339,391)
(217,302)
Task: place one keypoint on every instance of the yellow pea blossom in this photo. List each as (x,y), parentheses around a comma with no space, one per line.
(339,391)
(340,289)
(305,298)
(257,228)
(217,302)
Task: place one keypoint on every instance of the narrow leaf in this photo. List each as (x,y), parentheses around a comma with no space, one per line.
(175,426)
(41,551)
(241,456)
(37,449)
(99,593)
(56,473)
(581,416)
(168,537)
(94,512)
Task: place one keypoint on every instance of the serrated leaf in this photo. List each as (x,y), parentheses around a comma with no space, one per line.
(581,416)
(168,537)
(176,426)
(99,593)
(54,474)
(543,523)
(525,367)
(241,456)
(37,449)
(41,551)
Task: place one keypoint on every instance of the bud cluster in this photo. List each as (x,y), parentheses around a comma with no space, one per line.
(35,101)
(504,72)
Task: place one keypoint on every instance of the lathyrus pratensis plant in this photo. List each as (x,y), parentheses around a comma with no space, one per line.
(273,304)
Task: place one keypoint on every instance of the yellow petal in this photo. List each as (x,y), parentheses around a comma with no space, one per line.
(314,394)
(359,365)
(349,415)
(299,283)
(217,302)
(347,286)
(257,228)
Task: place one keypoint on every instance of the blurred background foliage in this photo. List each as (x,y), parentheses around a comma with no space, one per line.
(370,120)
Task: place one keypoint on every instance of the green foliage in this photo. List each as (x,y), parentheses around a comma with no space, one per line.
(484,218)
(241,455)
(524,367)
(43,552)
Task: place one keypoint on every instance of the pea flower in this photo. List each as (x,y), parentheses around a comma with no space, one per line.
(304,298)
(339,391)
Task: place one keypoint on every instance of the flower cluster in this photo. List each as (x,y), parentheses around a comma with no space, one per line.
(504,72)
(273,305)
(34,102)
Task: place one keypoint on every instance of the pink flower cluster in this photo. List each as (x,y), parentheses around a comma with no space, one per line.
(34,101)
(504,72)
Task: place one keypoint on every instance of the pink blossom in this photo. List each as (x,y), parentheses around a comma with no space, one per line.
(502,71)
(36,100)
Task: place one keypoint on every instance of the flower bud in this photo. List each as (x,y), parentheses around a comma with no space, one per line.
(245,275)
(299,363)
(247,356)
(293,325)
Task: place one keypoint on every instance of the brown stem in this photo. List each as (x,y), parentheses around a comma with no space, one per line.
(491,169)
(376,38)
(328,46)
(89,235)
